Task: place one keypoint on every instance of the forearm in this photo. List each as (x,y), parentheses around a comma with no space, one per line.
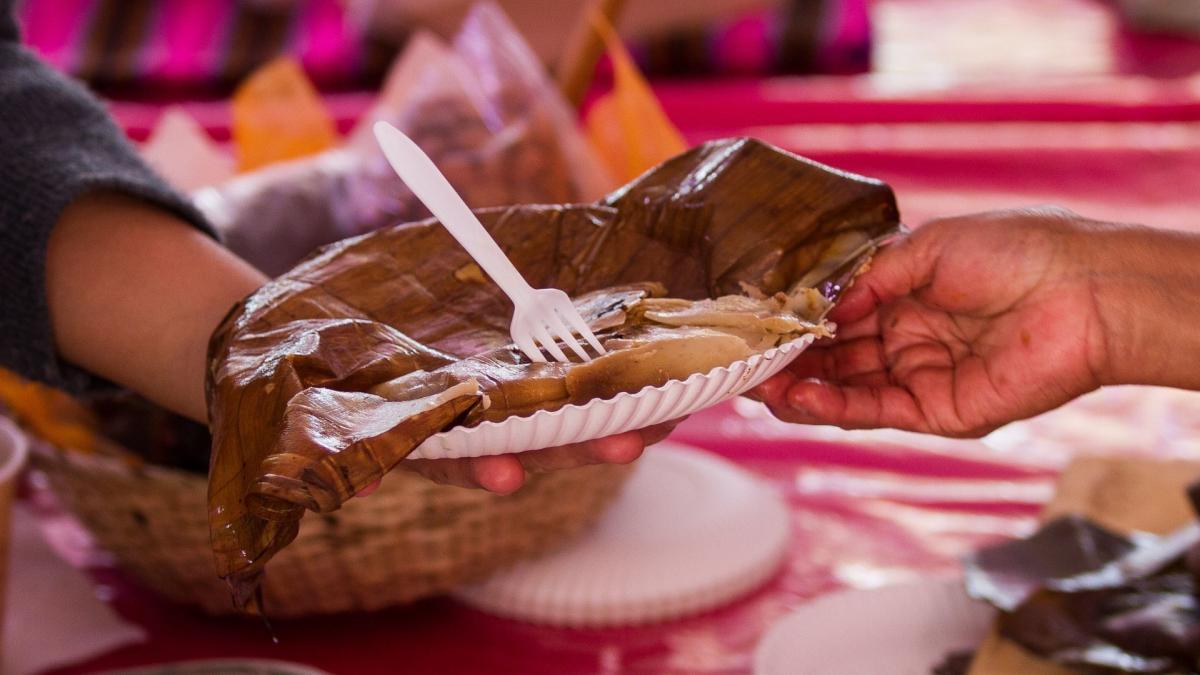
(57,145)
(1147,287)
(134,294)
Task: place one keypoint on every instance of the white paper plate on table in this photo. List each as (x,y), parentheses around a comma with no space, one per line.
(899,630)
(689,532)
(605,417)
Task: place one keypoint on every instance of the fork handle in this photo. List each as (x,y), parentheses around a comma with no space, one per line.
(422,176)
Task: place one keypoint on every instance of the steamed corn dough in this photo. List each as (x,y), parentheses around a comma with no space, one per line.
(331,374)
(650,340)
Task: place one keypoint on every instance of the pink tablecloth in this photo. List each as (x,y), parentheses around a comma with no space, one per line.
(867,509)
(864,512)
(1114,148)
(863,515)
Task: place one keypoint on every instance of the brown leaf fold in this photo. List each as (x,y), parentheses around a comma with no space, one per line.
(328,376)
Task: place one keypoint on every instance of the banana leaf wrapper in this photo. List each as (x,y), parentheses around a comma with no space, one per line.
(1087,597)
(292,368)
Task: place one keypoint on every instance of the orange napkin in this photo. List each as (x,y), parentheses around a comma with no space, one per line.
(278,115)
(627,127)
(48,413)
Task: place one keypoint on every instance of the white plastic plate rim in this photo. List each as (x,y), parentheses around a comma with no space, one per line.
(605,417)
(910,628)
(690,531)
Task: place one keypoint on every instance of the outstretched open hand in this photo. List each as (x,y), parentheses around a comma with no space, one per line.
(963,326)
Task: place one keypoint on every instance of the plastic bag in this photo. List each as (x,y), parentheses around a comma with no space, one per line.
(484,111)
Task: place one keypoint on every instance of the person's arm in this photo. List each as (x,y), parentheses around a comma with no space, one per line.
(105,271)
(134,294)
(77,293)
(977,321)
(1147,288)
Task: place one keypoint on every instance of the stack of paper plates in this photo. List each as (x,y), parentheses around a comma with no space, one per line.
(690,531)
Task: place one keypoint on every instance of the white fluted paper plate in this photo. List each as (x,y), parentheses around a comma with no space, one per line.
(690,531)
(899,630)
(605,417)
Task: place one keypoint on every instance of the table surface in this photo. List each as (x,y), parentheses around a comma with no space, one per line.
(863,514)
(867,508)
(1097,121)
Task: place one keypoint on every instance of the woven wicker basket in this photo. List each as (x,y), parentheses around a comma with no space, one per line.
(410,539)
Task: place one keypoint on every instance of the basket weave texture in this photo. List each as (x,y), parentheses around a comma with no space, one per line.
(410,539)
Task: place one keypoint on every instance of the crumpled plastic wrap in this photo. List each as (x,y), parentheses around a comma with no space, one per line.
(484,111)
(290,369)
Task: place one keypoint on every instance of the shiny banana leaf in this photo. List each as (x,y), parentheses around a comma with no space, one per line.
(296,372)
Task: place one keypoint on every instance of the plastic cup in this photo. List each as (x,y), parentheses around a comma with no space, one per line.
(14,450)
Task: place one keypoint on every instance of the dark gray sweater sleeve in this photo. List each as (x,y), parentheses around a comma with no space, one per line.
(56,144)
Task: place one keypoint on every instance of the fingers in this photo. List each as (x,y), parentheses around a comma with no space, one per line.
(505,474)
(849,407)
(773,391)
(845,361)
(502,474)
(862,405)
(895,272)
(860,363)
(925,355)
(619,449)
(659,432)
(864,327)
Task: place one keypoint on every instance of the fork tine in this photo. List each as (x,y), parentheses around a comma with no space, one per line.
(526,344)
(564,334)
(572,317)
(543,336)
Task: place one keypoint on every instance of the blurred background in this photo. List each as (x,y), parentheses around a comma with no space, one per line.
(816,76)
(147,48)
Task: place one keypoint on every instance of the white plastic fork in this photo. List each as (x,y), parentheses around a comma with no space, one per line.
(539,314)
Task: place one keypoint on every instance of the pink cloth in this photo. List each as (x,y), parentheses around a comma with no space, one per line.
(864,512)
(170,46)
(867,508)
(862,515)
(155,50)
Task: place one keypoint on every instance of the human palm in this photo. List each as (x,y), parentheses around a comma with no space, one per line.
(965,325)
